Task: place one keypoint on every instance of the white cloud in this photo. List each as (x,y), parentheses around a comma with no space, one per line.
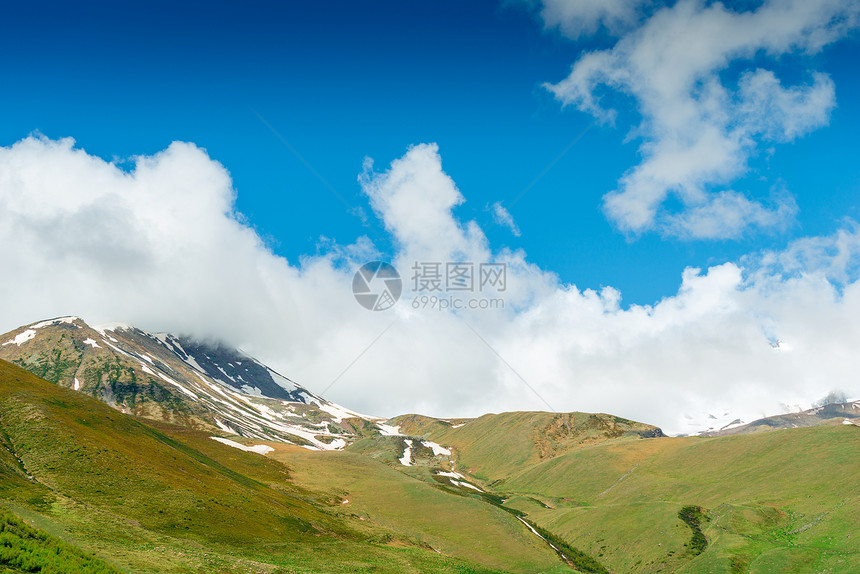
(726,214)
(580,17)
(698,132)
(414,199)
(161,247)
(836,257)
(783,114)
(504,218)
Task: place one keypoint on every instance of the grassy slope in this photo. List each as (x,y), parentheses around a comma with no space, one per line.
(785,501)
(168,500)
(494,446)
(407,501)
(26,549)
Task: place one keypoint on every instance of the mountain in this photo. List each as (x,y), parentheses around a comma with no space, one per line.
(152,498)
(833,413)
(176,379)
(144,487)
(780,501)
(498,444)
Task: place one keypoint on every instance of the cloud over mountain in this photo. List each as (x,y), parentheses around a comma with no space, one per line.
(161,246)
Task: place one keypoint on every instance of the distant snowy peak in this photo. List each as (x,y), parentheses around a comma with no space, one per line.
(233,368)
(831,413)
(708,422)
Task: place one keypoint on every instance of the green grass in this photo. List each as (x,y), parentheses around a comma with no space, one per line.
(406,500)
(390,449)
(152,498)
(161,498)
(786,497)
(693,516)
(777,501)
(494,446)
(26,549)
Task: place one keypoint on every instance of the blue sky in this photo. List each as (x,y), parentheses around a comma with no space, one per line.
(341,81)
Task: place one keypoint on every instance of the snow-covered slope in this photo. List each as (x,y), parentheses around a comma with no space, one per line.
(179,380)
(832,413)
(708,422)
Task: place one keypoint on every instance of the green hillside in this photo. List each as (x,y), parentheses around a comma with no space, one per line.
(407,500)
(168,499)
(782,501)
(154,497)
(787,498)
(26,549)
(495,445)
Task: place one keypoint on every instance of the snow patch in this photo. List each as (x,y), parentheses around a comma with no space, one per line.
(406,459)
(177,385)
(224,427)
(734,424)
(50,322)
(280,380)
(336,444)
(466,485)
(193,363)
(77,386)
(118,350)
(21,338)
(450,474)
(437,449)
(536,533)
(387,430)
(92,343)
(708,422)
(101,329)
(309,399)
(339,413)
(259,448)
(268,413)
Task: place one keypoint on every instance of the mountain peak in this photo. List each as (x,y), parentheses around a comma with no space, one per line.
(178,379)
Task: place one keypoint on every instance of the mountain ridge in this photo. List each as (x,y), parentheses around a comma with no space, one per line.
(177,379)
(207,384)
(830,413)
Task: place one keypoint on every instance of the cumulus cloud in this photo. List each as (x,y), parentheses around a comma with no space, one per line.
(414,199)
(699,128)
(161,246)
